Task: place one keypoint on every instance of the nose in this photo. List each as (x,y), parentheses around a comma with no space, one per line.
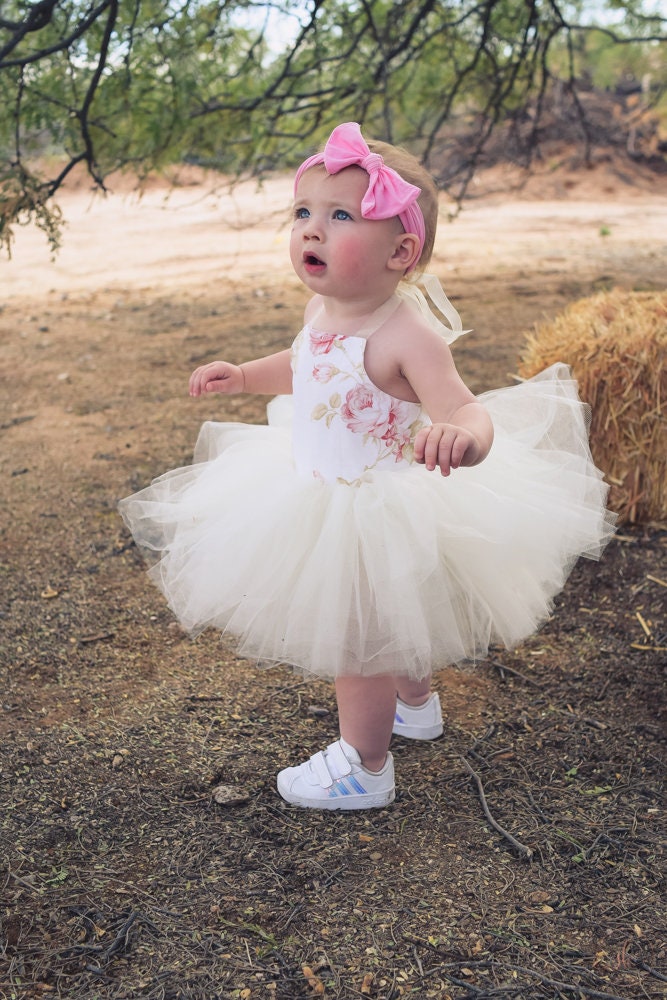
(312,230)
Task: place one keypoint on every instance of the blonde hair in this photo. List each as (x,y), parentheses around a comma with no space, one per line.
(411,170)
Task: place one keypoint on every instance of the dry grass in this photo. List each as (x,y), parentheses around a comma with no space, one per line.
(616,344)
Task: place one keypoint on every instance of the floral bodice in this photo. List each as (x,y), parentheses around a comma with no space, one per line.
(344,426)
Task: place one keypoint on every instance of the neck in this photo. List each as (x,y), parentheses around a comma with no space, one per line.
(351,311)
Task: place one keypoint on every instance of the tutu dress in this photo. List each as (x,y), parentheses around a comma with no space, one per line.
(318,541)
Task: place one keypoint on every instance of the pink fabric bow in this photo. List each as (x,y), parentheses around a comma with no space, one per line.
(387,195)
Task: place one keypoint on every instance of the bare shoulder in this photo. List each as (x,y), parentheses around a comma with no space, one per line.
(403,348)
(410,360)
(408,337)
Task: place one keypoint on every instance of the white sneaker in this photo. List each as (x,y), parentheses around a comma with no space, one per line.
(420,722)
(335,778)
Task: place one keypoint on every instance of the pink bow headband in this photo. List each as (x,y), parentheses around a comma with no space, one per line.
(387,195)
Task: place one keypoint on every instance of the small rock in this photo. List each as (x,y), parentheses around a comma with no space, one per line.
(230,795)
(318,711)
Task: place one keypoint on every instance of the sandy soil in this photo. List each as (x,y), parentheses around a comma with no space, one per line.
(166,238)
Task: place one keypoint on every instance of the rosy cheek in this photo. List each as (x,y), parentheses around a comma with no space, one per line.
(350,254)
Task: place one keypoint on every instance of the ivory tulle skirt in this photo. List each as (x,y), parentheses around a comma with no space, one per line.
(405,572)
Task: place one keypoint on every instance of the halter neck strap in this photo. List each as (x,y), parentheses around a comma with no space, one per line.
(409,292)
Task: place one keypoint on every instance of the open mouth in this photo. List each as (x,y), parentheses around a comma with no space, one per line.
(313,262)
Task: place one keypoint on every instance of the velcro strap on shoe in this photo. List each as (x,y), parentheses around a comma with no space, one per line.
(338,764)
(328,769)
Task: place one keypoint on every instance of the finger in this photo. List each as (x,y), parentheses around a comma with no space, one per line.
(436,447)
(198,380)
(444,461)
(419,445)
(217,384)
(194,385)
(444,457)
(459,449)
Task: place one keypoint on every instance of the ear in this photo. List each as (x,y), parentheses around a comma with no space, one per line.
(406,252)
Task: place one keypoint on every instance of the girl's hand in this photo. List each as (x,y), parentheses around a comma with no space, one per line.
(446,446)
(218,376)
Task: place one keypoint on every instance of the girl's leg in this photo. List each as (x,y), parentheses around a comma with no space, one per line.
(366,709)
(418,711)
(413,692)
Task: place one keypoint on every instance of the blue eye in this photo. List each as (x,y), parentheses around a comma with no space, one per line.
(301,213)
(341,215)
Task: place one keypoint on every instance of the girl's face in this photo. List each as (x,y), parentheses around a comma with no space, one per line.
(333,249)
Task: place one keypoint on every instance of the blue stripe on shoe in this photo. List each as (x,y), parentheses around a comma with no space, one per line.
(397,718)
(340,788)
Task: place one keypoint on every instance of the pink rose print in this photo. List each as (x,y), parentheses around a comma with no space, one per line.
(321,342)
(397,442)
(324,371)
(367,412)
(397,435)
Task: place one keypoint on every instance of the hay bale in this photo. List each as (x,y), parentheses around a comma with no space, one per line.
(616,346)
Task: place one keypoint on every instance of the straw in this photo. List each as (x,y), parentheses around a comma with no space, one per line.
(616,345)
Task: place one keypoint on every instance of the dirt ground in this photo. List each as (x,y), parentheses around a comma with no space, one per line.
(145,852)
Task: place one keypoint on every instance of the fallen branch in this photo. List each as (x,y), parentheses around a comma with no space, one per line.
(647,968)
(502,668)
(524,851)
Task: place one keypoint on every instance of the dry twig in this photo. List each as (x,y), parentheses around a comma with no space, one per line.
(502,668)
(524,851)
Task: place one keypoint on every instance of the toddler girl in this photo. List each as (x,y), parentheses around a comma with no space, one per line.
(371,532)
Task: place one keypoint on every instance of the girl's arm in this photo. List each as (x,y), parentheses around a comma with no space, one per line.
(271,375)
(461,433)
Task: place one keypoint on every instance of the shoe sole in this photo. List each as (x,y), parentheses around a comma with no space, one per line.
(376,802)
(418,732)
